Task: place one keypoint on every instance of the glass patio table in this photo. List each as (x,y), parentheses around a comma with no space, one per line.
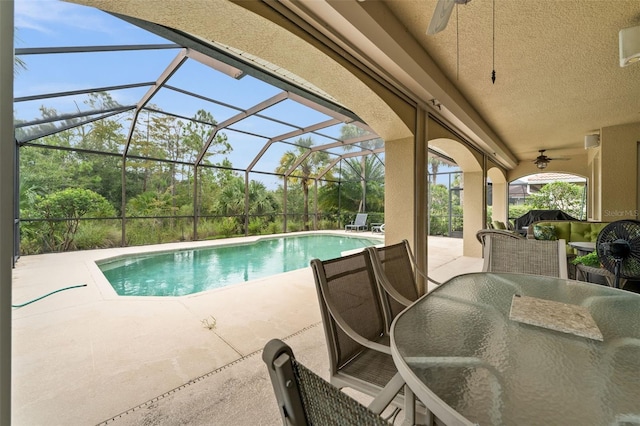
(472,358)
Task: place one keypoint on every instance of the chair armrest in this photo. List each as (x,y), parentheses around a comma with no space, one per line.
(381,277)
(415,266)
(351,332)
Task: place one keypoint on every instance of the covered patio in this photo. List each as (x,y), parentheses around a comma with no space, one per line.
(86,356)
(412,90)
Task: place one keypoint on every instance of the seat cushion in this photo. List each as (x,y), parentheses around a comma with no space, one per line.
(585,231)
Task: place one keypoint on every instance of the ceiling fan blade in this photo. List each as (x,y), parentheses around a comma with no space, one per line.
(440,16)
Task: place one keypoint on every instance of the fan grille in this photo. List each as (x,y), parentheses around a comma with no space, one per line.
(620,240)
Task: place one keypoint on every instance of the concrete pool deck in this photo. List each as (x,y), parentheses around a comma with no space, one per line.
(87,356)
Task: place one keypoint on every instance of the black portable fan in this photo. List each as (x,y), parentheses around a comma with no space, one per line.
(618,248)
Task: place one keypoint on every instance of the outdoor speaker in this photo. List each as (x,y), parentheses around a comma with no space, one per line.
(591,141)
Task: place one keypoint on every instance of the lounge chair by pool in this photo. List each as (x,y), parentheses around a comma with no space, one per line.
(359,224)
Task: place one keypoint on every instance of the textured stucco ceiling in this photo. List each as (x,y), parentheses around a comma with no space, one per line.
(225,22)
(557,69)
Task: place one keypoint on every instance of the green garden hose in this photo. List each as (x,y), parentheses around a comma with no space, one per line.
(48,294)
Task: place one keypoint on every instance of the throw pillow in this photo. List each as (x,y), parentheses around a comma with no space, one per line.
(499,225)
(544,232)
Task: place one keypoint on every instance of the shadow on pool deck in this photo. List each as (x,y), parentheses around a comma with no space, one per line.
(85,356)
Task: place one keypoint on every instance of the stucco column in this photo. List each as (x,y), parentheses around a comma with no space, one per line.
(499,209)
(6,203)
(619,177)
(473,205)
(399,204)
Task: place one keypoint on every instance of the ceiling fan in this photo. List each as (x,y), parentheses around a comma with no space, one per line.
(542,160)
(441,15)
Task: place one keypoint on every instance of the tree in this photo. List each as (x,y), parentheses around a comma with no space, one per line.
(438,209)
(350,189)
(71,204)
(305,171)
(434,164)
(350,131)
(563,196)
(18,64)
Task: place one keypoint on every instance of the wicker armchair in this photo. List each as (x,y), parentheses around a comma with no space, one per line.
(522,255)
(483,234)
(304,398)
(583,272)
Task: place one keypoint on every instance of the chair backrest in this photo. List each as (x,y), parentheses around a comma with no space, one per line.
(395,275)
(304,398)
(483,234)
(361,219)
(537,257)
(348,298)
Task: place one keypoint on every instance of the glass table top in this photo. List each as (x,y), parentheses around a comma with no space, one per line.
(458,346)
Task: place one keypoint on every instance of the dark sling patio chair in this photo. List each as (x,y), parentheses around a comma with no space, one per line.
(304,398)
(395,271)
(356,330)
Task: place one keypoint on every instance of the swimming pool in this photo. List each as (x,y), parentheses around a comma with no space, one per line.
(183,272)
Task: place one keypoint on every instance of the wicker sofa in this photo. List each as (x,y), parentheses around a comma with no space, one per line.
(570,231)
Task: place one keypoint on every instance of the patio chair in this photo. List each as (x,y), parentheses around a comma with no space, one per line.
(482,235)
(522,255)
(377,228)
(356,330)
(304,398)
(359,224)
(395,269)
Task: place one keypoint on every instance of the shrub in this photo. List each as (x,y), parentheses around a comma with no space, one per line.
(93,235)
(294,226)
(327,224)
(590,259)
(227,226)
(70,204)
(274,228)
(206,229)
(256,226)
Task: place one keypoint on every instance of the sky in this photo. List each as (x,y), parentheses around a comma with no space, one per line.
(52,23)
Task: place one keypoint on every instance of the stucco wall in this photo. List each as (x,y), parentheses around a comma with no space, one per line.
(399,204)
(499,189)
(619,171)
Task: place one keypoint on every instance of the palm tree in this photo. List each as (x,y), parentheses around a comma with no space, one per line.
(18,64)
(350,191)
(350,131)
(305,171)
(434,164)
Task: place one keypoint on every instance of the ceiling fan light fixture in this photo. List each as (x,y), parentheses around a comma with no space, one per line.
(541,164)
(629,39)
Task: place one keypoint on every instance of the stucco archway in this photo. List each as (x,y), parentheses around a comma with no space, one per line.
(470,164)
(499,193)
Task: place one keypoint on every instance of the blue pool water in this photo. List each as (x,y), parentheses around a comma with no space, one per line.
(185,272)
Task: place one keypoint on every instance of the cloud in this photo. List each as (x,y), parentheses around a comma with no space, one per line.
(45,15)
